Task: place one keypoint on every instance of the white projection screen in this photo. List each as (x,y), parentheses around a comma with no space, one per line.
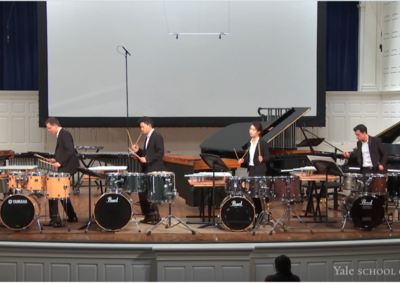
(267,58)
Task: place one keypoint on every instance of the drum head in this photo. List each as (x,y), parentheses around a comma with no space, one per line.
(113,211)
(367,212)
(17,212)
(237,213)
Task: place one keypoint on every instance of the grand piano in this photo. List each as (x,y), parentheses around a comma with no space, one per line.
(280,136)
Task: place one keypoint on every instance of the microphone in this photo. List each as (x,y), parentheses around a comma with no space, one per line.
(127,52)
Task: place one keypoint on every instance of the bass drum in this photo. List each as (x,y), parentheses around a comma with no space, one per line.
(237,213)
(18,211)
(366,211)
(113,211)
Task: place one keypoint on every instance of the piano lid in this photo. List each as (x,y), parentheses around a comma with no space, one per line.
(390,134)
(236,136)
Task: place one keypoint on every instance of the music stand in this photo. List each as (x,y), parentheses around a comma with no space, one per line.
(325,165)
(213,162)
(90,173)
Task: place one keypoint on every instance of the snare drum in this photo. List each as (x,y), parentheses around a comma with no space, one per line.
(16,179)
(237,213)
(114,181)
(113,211)
(352,182)
(135,182)
(287,188)
(161,186)
(366,211)
(376,184)
(58,185)
(235,185)
(36,181)
(259,186)
(17,212)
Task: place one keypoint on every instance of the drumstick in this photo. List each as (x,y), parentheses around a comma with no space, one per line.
(139,137)
(37,155)
(259,151)
(134,153)
(236,154)
(245,153)
(129,136)
(46,162)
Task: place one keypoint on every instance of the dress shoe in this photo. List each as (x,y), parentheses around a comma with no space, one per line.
(147,220)
(58,225)
(52,222)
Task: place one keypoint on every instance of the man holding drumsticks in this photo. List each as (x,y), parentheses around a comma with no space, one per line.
(66,161)
(151,157)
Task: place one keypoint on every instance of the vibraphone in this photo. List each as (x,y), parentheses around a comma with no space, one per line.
(182,165)
(104,158)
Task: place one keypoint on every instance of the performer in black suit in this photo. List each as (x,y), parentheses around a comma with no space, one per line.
(152,160)
(369,153)
(66,161)
(256,158)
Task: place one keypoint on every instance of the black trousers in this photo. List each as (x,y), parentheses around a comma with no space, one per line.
(256,201)
(147,207)
(68,208)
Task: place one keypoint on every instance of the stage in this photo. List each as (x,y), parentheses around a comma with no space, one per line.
(212,254)
(295,232)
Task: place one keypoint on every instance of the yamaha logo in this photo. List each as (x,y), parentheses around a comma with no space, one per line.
(17,201)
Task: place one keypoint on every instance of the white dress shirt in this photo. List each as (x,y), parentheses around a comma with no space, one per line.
(148,137)
(252,151)
(367,162)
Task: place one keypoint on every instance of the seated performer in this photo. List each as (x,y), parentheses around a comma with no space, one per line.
(152,160)
(257,158)
(66,161)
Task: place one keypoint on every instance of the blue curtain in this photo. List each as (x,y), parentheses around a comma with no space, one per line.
(341,46)
(18,46)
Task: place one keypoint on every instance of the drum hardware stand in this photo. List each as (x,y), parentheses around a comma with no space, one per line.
(213,162)
(90,174)
(262,221)
(65,211)
(137,225)
(395,199)
(287,211)
(168,225)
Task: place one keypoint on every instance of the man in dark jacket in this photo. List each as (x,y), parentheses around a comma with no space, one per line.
(66,161)
(152,161)
(369,153)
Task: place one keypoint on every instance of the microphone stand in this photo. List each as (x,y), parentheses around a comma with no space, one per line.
(126,86)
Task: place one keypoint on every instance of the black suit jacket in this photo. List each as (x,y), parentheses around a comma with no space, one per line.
(376,150)
(65,153)
(260,168)
(154,154)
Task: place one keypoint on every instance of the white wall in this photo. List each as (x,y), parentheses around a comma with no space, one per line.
(376,109)
(21,132)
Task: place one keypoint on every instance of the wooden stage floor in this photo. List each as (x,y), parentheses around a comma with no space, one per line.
(296,232)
